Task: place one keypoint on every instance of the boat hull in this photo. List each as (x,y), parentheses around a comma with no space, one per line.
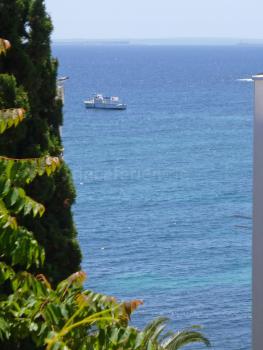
(105,106)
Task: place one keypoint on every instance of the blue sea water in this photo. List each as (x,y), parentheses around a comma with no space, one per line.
(164,196)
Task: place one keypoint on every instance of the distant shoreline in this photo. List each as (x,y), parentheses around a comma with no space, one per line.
(161,42)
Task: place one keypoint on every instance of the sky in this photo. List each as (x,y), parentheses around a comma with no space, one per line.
(157,19)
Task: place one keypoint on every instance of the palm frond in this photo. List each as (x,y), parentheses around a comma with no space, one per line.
(183,338)
(153,329)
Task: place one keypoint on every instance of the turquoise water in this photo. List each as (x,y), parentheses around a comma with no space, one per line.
(164,189)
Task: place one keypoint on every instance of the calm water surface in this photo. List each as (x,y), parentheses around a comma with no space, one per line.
(164,189)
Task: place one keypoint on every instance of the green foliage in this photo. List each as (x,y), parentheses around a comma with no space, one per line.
(12,98)
(24,171)
(40,30)
(17,244)
(12,95)
(10,117)
(69,318)
(56,316)
(115,338)
(28,80)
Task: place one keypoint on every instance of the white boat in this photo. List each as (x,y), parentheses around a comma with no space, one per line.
(101,102)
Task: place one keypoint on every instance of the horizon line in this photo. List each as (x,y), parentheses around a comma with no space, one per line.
(162,41)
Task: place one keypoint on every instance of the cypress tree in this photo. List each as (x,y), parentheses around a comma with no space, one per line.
(28,27)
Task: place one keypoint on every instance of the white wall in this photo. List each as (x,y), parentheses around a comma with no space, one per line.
(258,217)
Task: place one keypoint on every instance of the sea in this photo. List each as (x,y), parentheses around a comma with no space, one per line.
(164,189)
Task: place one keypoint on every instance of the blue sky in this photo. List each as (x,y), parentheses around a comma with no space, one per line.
(118,19)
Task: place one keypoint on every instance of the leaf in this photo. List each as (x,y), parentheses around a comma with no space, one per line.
(52,314)
(77,277)
(24,171)
(16,201)
(10,117)
(5,186)
(184,338)
(76,280)
(131,306)
(6,272)
(14,193)
(19,246)
(4,45)
(5,331)
(44,280)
